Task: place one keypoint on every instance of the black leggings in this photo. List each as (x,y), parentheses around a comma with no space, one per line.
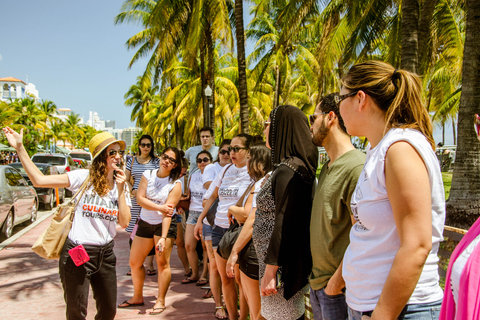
(99,272)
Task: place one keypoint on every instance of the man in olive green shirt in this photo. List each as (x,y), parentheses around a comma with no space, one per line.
(331,214)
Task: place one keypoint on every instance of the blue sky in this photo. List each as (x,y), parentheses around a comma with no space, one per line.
(76,56)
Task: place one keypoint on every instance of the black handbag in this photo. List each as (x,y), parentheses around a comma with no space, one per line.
(230,237)
(228,240)
(212,212)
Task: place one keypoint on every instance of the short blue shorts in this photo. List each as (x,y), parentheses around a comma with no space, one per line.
(207,232)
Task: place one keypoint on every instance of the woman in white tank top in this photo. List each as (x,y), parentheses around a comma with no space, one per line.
(390,266)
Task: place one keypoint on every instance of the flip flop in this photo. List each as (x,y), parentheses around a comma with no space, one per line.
(208,294)
(188,280)
(188,274)
(201,282)
(128,304)
(151,272)
(129,272)
(160,310)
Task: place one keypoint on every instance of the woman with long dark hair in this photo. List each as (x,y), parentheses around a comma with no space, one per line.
(243,252)
(158,194)
(233,182)
(136,166)
(281,231)
(104,203)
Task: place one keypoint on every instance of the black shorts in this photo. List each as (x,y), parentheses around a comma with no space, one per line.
(147,230)
(248,261)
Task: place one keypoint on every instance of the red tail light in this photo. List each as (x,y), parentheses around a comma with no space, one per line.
(67,169)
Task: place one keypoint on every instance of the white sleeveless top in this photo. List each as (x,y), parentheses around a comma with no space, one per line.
(374,241)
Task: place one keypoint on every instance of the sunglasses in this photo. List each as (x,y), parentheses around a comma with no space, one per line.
(224,152)
(314,116)
(339,98)
(206,159)
(266,124)
(169,159)
(236,149)
(113,153)
(145,145)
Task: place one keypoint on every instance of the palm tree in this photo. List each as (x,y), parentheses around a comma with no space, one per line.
(73,128)
(242,74)
(140,96)
(462,206)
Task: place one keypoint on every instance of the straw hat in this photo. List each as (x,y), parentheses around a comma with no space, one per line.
(102,140)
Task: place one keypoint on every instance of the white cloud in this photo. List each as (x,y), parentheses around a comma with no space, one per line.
(1,57)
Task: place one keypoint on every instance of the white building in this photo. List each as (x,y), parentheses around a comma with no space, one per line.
(13,88)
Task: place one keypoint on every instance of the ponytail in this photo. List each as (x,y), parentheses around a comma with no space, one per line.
(397,92)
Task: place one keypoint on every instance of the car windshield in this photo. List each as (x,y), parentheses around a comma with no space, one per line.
(19,168)
(56,161)
(84,156)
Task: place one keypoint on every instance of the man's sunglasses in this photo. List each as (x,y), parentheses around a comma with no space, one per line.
(236,149)
(224,152)
(339,98)
(170,159)
(145,145)
(113,153)
(206,159)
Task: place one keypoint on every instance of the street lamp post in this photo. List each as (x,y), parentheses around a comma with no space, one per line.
(208,94)
(169,127)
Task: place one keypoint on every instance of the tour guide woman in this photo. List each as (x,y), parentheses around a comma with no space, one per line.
(91,229)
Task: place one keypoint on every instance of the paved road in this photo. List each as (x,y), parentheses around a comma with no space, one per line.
(30,287)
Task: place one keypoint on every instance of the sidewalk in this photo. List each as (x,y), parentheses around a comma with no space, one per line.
(30,287)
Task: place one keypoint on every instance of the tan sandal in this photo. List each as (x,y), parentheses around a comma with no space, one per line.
(225,316)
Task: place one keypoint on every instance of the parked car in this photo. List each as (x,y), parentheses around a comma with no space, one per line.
(80,163)
(87,156)
(63,162)
(46,196)
(18,200)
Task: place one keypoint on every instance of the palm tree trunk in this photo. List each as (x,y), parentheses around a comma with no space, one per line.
(454,132)
(410,19)
(443,132)
(463,204)
(277,87)
(175,122)
(204,82)
(242,74)
(211,74)
(424,39)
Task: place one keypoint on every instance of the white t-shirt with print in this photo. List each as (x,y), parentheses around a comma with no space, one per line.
(256,190)
(196,192)
(95,217)
(211,172)
(158,190)
(231,187)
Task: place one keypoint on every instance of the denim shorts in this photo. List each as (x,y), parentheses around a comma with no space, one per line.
(207,232)
(217,234)
(178,217)
(328,307)
(424,311)
(193,217)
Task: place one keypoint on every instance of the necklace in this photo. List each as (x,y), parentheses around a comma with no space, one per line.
(144,161)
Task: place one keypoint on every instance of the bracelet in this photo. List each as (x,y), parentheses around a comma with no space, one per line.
(163,238)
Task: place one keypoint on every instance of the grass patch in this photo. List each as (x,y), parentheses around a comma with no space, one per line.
(447,182)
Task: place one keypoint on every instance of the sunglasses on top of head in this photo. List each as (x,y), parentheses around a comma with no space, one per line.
(206,159)
(169,159)
(113,153)
(236,149)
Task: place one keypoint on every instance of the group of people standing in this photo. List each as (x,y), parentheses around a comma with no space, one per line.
(363,238)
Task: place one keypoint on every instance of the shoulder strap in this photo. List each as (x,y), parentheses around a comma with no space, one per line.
(226,170)
(81,190)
